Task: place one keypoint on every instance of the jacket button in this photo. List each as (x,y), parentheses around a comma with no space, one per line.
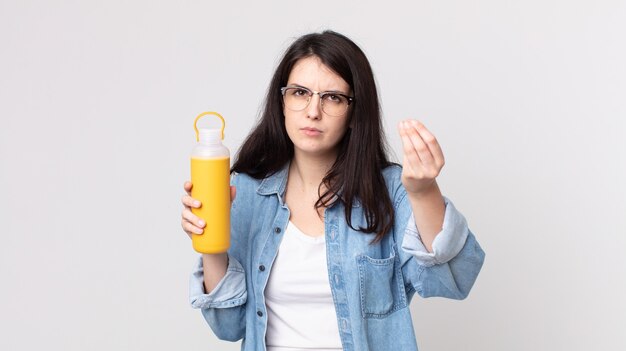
(261,268)
(259,313)
(276,230)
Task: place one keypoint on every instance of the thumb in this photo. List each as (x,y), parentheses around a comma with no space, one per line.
(233,193)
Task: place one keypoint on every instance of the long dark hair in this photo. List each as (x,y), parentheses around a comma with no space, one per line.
(356,176)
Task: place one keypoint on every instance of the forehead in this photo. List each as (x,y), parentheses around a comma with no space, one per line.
(310,72)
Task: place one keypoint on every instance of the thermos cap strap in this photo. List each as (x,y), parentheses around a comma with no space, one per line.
(195,127)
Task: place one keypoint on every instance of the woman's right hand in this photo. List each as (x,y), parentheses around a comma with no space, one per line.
(191,223)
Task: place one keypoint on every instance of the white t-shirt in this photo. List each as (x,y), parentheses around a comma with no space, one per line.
(300,309)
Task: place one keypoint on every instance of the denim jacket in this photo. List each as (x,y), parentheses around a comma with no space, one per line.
(371,284)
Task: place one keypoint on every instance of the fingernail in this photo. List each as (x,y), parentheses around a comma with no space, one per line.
(196,203)
(199,231)
(201,223)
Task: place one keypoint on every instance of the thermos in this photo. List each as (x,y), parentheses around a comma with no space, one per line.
(210,176)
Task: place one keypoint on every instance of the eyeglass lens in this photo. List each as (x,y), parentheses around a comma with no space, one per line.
(297,99)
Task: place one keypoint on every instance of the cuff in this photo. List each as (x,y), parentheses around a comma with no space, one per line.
(229,292)
(447,244)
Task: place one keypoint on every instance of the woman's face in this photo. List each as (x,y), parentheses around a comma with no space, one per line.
(312,131)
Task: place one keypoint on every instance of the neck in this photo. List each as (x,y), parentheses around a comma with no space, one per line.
(308,171)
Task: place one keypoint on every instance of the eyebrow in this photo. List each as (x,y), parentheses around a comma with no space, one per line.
(325,91)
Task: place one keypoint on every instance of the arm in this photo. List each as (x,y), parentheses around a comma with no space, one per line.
(451,267)
(440,256)
(428,209)
(218,287)
(224,307)
(422,162)
(214,266)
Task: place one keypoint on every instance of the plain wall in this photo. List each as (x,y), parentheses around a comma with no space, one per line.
(97,101)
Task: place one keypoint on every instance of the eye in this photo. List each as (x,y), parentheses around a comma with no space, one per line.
(334,98)
(299,92)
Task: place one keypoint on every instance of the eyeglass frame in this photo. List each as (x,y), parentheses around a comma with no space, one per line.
(321,95)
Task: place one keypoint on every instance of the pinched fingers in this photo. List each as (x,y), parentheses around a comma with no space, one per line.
(407,145)
(416,144)
(412,159)
(423,158)
(421,148)
(431,142)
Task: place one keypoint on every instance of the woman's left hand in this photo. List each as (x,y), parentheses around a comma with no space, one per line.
(423,158)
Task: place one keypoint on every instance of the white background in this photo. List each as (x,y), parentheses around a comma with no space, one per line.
(97,101)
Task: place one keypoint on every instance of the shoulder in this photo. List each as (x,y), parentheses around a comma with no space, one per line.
(244,182)
(244,179)
(392,175)
(393,171)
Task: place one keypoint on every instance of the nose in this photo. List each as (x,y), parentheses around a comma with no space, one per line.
(314,110)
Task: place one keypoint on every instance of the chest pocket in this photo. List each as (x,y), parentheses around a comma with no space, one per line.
(380,286)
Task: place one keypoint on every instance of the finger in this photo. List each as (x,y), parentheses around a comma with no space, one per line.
(411,158)
(432,143)
(187,186)
(189,201)
(233,193)
(418,143)
(190,228)
(193,219)
(409,149)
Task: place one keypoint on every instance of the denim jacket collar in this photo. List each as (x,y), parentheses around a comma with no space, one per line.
(275,183)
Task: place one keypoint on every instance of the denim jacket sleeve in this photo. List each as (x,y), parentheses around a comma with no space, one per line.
(229,292)
(224,307)
(453,266)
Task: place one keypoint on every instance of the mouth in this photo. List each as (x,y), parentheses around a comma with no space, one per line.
(311,129)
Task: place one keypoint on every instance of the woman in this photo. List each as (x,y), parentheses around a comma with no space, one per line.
(330,240)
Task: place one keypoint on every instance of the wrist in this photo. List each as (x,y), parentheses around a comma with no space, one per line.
(214,258)
(429,192)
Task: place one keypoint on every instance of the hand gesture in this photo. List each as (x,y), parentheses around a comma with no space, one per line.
(423,158)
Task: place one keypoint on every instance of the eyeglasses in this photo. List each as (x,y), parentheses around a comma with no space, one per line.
(297,98)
